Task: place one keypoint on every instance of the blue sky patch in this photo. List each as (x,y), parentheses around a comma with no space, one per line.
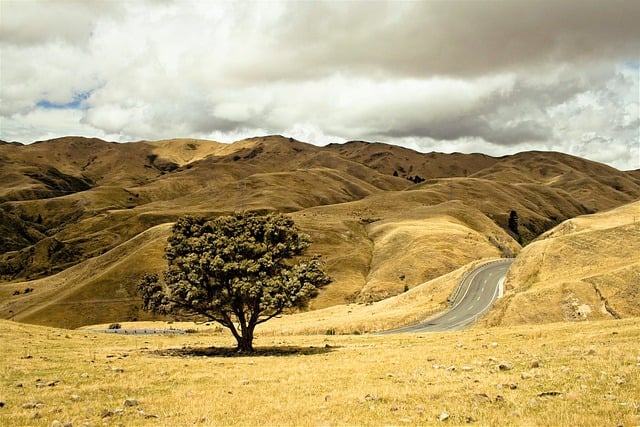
(77,103)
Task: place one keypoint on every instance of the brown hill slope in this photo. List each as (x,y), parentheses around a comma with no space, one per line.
(596,186)
(99,289)
(372,251)
(586,268)
(390,159)
(70,200)
(262,173)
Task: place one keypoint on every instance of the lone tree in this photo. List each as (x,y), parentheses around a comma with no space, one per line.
(239,270)
(513,223)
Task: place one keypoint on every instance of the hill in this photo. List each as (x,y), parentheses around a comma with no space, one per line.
(587,268)
(383,218)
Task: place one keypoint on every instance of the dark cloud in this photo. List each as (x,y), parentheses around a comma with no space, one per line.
(31,22)
(444,38)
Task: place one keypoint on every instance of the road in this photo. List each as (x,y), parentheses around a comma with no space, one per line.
(474,296)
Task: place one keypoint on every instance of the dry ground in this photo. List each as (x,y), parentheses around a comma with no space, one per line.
(558,374)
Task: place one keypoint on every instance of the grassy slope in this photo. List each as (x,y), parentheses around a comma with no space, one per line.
(591,377)
(97,290)
(586,268)
(377,233)
(368,261)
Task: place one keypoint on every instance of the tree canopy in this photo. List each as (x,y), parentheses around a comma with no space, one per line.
(239,270)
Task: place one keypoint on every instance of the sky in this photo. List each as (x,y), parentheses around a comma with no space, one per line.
(496,77)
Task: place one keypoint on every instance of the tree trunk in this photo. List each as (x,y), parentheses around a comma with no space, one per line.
(245,339)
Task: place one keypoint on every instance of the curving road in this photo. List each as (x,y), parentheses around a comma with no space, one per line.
(473,297)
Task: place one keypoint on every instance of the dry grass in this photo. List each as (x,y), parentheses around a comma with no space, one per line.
(109,280)
(586,268)
(377,232)
(587,374)
(371,248)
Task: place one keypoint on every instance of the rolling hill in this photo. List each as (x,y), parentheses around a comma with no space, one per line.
(82,219)
(587,268)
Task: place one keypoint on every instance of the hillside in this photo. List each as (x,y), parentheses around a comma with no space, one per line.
(383,218)
(587,268)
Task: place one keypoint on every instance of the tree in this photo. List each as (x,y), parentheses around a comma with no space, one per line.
(239,270)
(513,223)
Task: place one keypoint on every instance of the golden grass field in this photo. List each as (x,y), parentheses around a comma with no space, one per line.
(564,374)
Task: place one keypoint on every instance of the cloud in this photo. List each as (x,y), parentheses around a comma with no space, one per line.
(30,22)
(496,77)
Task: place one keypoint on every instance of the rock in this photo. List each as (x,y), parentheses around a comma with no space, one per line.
(482,397)
(505,366)
(32,405)
(622,379)
(451,368)
(56,423)
(1,404)
(145,415)
(591,352)
(525,375)
(75,397)
(443,416)
(130,402)
(494,344)
(19,385)
(510,386)
(533,402)
(535,364)
(118,411)
(405,420)
(467,368)
(106,414)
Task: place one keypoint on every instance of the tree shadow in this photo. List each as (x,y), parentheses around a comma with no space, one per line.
(234,352)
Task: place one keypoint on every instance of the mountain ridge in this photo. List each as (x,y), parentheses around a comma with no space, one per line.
(68,200)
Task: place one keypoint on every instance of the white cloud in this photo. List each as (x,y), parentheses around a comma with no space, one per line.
(452,76)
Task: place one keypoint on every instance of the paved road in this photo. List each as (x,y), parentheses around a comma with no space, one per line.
(476,293)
